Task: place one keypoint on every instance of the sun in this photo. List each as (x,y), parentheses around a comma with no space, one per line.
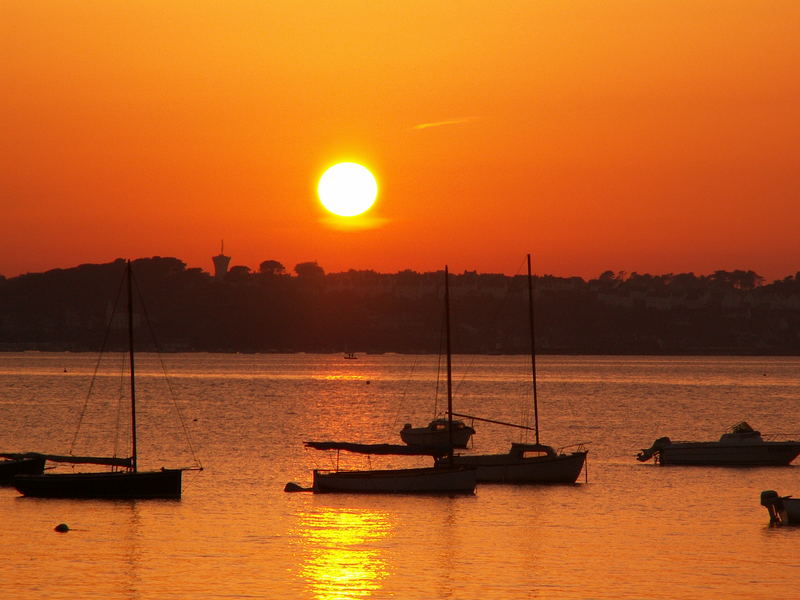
(347,189)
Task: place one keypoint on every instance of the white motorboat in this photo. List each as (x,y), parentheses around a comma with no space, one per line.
(741,446)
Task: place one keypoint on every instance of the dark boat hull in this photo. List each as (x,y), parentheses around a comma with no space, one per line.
(762,454)
(445,480)
(165,483)
(508,468)
(20,466)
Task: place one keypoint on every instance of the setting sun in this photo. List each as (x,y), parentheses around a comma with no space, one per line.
(347,189)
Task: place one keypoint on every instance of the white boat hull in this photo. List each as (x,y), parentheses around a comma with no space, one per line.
(445,480)
(508,468)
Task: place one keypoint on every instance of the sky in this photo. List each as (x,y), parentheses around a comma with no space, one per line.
(641,136)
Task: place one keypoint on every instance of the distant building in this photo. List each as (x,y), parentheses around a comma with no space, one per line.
(221,263)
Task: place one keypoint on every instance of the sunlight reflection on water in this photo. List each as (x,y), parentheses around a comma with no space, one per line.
(338,560)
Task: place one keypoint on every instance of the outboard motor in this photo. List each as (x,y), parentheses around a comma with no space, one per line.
(774,505)
(648,453)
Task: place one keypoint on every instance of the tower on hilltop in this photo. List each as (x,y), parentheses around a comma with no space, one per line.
(221,263)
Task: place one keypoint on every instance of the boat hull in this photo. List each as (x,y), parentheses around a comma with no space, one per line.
(20,466)
(792,508)
(165,483)
(508,468)
(725,454)
(433,480)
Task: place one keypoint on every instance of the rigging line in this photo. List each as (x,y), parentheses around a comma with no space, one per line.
(466,370)
(404,394)
(173,395)
(97,366)
(494,321)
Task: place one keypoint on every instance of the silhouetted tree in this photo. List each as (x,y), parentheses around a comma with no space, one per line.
(239,273)
(271,267)
(746,280)
(309,270)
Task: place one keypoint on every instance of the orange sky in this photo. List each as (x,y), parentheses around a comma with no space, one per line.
(650,136)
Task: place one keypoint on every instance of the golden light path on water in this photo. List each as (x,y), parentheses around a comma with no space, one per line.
(337,562)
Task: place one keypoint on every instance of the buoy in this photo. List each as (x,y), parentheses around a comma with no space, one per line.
(61,528)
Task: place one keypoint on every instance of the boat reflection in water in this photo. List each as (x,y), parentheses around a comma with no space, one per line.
(339,558)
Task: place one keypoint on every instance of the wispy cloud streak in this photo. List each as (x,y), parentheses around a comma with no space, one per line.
(444,123)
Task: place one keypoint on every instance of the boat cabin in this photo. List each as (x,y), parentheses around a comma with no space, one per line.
(531,450)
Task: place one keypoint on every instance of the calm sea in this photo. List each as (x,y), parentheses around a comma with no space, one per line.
(633,531)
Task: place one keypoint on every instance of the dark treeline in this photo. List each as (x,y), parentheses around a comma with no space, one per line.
(272,310)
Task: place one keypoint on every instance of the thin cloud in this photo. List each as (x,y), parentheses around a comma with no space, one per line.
(444,123)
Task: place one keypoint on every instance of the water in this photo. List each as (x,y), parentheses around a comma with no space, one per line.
(633,531)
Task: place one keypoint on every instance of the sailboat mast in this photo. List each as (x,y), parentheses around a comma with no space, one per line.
(133,377)
(449,364)
(533,351)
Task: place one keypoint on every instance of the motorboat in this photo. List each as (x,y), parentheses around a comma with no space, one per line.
(437,434)
(740,446)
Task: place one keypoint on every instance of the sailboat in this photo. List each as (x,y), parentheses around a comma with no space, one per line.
(526,463)
(443,478)
(126,481)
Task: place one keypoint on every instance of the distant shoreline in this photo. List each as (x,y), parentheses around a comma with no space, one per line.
(421,353)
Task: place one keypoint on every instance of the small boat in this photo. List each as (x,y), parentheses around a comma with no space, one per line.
(125,480)
(534,463)
(783,510)
(437,434)
(441,479)
(741,446)
(18,464)
(350,355)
